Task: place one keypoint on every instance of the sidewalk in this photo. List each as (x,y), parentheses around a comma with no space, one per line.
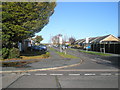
(32,81)
(54,61)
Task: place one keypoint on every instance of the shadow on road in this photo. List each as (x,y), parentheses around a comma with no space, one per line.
(32,53)
(115,60)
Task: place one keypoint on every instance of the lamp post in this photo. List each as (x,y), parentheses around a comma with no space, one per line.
(60,42)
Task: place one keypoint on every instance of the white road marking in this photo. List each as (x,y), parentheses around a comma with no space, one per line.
(56,74)
(100,61)
(89,74)
(105,74)
(74,74)
(23,74)
(93,60)
(13,73)
(37,74)
(106,61)
(117,74)
(27,74)
(89,70)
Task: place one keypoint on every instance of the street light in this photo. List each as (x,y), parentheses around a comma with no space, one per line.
(60,42)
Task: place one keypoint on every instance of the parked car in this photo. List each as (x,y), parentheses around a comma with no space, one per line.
(43,47)
(64,46)
(39,48)
(67,46)
(55,46)
(49,45)
(88,47)
(35,47)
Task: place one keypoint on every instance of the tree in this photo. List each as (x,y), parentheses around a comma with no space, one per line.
(21,20)
(38,39)
(55,39)
(72,40)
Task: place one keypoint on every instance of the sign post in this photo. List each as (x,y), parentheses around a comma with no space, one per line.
(60,42)
(87,41)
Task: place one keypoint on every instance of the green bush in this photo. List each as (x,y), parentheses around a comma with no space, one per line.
(5,53)
(10,53)
(14,53)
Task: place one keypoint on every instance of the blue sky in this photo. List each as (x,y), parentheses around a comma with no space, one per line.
(82,19)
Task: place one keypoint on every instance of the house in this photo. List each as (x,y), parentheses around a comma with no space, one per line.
(26,44)
(107,43)
(67,43)
(106,39)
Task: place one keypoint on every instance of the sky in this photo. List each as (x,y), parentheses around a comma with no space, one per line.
(81,20)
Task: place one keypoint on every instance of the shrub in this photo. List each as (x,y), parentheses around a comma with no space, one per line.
(14,53)
(9,64)
(5,53)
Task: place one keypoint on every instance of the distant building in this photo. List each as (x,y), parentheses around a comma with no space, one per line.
(107,43)
(67,42)
(101,39)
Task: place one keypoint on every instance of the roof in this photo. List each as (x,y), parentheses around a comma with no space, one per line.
(111,38)
(92,39)
(99,39)
(80,40)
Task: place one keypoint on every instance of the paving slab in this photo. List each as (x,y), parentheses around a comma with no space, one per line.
(34,81)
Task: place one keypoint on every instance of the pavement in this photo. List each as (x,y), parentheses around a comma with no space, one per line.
(93,72)
(53,62)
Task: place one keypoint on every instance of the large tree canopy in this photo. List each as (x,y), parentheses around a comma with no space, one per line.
(38,39)
(21,20)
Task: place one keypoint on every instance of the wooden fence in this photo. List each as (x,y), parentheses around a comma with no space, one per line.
(109,48)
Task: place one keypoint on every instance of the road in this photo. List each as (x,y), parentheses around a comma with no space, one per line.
(66,79)
(93,72)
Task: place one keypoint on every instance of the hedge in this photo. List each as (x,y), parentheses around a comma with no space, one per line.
(10,53)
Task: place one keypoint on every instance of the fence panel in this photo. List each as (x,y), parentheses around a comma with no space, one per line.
(109,48)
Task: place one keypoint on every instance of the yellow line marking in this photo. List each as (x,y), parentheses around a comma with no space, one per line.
(44,69)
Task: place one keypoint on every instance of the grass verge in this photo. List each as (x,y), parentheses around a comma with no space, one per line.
(17,64)
(24,63)
(66,55)
(72,49)
(63,54)
(52,49)
(0,53)
(29,56)
(96,53)
(36,57)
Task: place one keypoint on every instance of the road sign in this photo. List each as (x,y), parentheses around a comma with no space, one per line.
(87,40)
(60,40)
